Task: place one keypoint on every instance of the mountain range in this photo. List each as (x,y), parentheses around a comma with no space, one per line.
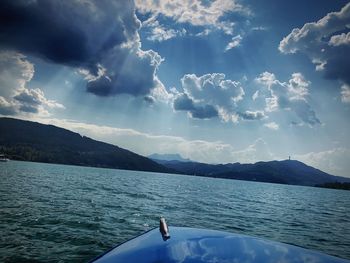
(168,157)
(31,141)
(283,172)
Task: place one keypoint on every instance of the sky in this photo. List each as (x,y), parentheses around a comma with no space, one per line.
(218,81)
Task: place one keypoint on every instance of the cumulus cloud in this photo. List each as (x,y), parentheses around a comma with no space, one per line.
(203,16)
(334,161)
(292,95)
(338,40)
(15,97)
(33,100)
(7,107)
(321,41)
(197,13)
(15,72)
(99,37)
(195,109)
(209,96)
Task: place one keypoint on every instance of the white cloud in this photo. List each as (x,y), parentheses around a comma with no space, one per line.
(213,88)
(235,42)
(315,34)
(334,161)
(207,16)
(342,39)
(272,125)
(15,72)
(158,32)
(34,100)
(260,28)
(323,44)
(194,12)
(292,96)
(345,93)
(226,26)
(205,32)
(255,95)
(267,79)
(298,87)
(212,93)
(15,97)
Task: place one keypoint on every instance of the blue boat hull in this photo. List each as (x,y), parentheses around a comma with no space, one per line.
(198,245)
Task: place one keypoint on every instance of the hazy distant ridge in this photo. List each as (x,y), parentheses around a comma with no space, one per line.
(168,157)
(284,172)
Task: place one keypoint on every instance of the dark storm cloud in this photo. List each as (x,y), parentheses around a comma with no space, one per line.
(149,99)
(58,31)
(28,109)
(196,110)
(338,63)
(39,28)
(90,35)
(183,103)
(204,112)
(27,98)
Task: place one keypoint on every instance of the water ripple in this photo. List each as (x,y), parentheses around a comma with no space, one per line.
(55,213)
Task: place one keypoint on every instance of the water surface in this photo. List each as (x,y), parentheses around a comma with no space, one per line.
(57,213)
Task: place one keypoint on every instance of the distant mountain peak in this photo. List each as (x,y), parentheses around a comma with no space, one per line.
(168,157)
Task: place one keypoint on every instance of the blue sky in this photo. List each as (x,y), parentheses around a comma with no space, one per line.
(214,81)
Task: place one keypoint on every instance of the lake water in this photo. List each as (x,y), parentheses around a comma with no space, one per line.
(57,213)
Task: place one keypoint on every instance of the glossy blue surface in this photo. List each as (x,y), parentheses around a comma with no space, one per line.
(199,245)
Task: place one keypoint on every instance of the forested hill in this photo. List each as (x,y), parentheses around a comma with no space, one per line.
(283,172)
(31,141)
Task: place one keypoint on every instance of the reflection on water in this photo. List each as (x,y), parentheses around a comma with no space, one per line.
(196,245)
(54,212)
